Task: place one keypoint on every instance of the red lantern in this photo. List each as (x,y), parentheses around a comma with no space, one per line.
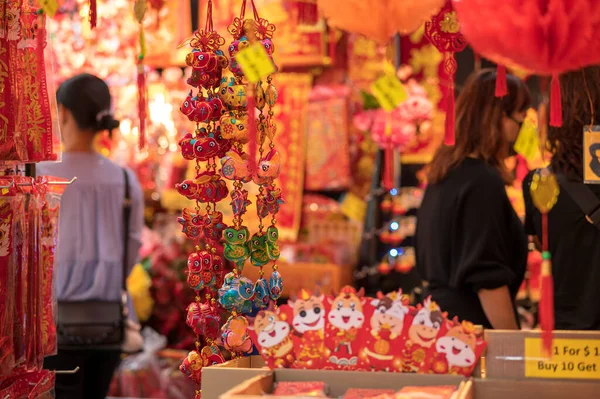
(546,37)
(443,31)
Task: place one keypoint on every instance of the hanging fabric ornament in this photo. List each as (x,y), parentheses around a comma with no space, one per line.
(443,31)
(544,195)
(139,9)
(386,18)
(246,98)
(205,267)
(524,34)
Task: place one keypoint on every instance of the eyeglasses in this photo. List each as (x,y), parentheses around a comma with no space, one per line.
(520,123)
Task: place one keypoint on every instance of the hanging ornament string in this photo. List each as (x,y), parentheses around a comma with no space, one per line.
(544,194)
(388,162)
(443,31)
(140,7)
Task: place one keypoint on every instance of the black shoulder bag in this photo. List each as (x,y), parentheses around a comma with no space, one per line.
(97,324)
(585,198)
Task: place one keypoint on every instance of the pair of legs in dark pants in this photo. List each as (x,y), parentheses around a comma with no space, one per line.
(92,381)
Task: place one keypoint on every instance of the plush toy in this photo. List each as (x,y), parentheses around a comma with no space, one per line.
(236,245)
(235,128)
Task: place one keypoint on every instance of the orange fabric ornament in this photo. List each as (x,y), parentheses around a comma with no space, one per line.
(385,17)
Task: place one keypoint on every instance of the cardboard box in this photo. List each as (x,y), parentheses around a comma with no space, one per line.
(220,378)
(517,355)
(338,382)
(530,389)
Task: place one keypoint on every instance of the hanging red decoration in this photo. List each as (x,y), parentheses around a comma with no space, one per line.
(93,14)
(443,31)
(546,37)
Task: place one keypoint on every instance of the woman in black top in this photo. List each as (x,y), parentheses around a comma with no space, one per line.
(573,242)
(470,244)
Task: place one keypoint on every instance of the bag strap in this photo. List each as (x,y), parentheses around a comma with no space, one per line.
(585,198)
(126,217)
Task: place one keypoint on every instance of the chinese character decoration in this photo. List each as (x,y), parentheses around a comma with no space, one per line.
(245,95)
(544,195)
(205,267)
(443,31)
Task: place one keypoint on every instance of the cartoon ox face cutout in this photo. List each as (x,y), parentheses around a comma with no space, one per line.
(271,330)
(389,314)
(347,309)
(459,346)
(426,324)
(309,312)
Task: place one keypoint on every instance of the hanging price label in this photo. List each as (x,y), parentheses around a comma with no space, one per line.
(255,62)
(4,191)
(354,207)
(49,6)
(528,142)
(389,92)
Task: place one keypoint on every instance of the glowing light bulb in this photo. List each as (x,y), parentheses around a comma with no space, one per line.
(393,252)
(394,226)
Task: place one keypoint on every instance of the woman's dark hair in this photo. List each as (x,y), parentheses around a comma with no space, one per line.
(478,124)
(566,142)
(88,99)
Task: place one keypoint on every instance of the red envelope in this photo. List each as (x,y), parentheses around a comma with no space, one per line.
(383,345)
(309,313)
(345,322)
(271,333)
(424,324)
(457,351)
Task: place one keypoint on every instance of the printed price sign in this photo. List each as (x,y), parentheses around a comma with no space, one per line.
(528,142)
(4,191)
(571,359)
(255,62)
(389,92)
(49,6)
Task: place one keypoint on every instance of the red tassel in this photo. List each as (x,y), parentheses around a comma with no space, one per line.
(388,169)
(555,102)
(501,89)
(546,311)
(252,144)
(142,103)
(449,135)
(93,14)
(547,305)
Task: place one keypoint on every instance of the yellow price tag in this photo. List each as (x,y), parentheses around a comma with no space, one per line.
(49,6)
(354,207)
(255,62)
(528,142)
(389,92)
(4,191)
(571,359)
